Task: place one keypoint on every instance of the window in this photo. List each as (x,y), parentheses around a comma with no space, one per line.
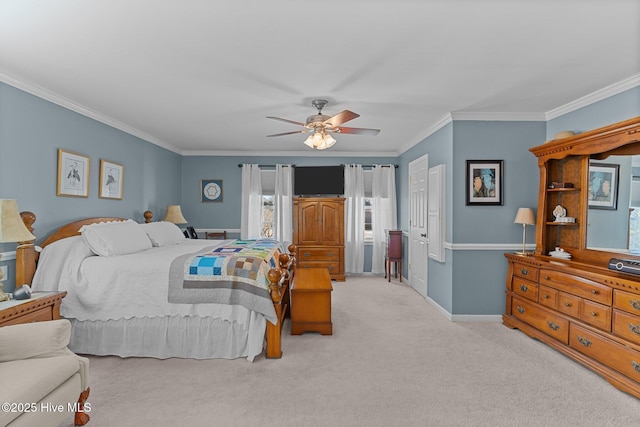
(368,210)
(268,179)
(267,216)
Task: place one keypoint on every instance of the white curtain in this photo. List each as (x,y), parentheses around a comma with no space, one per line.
(283,204)
(251,207)
(384,214)
(354,219)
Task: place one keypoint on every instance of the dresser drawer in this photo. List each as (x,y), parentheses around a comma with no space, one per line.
(626,301)
(525,288)
(569,304)
(596,314)
(541,319)
(333,267)
(525,271)
(576,285)
(616,356)
(626,326)
(318,254)
(548,296)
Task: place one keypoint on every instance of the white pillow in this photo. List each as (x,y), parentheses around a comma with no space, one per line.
(115,238)
(163,233)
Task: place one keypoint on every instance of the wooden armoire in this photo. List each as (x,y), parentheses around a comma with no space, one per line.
(318,233)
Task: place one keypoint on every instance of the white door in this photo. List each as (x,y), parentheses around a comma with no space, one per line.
(418,239)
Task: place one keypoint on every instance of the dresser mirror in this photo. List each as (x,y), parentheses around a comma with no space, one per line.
(607,228)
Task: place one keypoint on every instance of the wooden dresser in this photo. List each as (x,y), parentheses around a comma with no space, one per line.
(579,306)
(318,233)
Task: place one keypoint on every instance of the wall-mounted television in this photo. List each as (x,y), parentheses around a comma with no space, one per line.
(318,180)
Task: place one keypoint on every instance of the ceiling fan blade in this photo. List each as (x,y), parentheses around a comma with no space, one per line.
(285,120)
(290,133)
(357,131)
(341,117)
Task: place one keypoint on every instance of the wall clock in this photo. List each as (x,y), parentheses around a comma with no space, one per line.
(211,190)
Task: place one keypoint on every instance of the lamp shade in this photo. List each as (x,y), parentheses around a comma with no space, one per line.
(525,216)
(12,229)
(174,215)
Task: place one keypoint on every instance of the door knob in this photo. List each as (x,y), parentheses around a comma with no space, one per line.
(423,235)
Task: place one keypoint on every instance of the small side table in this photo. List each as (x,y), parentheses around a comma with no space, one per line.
(42,306)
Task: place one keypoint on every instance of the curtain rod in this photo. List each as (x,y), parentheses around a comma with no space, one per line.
(265,166)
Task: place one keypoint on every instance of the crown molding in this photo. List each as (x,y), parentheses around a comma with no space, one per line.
(594,97)
(498,117)
(298,153)
(427,133)
(70,105)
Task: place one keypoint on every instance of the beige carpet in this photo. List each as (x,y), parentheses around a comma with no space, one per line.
(393,361)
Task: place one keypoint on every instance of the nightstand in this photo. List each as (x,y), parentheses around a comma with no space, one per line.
(42,306)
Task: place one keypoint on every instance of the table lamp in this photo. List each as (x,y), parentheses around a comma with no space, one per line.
(174,215)
(12,229)
(524,217)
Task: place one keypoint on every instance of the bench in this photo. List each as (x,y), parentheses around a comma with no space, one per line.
(311,301)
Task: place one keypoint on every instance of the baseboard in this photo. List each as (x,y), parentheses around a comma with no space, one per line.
(465,317)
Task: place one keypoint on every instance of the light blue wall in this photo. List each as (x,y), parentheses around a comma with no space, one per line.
(226,214)
(31,132)
(471,281)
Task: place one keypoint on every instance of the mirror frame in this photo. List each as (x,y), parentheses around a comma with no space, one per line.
(621,138)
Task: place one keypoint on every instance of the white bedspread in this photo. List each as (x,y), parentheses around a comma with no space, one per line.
(122,287)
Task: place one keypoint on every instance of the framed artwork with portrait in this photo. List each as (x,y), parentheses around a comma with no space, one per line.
(485,182)
(211,190)
(603,186)
(73,174)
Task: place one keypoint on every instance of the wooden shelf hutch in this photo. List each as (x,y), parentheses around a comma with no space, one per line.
(579,306)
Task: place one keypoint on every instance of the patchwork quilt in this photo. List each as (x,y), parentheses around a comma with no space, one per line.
(233,273)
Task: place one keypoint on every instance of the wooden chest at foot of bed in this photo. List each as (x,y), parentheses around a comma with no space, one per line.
(311,301)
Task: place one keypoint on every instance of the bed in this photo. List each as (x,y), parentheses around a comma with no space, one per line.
(121,302)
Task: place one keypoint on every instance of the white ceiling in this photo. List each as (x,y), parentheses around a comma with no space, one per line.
(199,77)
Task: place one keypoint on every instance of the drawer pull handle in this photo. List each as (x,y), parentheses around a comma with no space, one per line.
(595,291)
(634,328)
(585,342)
(306,254)
(553,326)
(524,271)
(524,288)
(635,304)
(547,278)
(520,309)
(567,304)
(330,254)
(545,296)
(636,366)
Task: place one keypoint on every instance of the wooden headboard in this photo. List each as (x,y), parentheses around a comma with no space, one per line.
(26,255)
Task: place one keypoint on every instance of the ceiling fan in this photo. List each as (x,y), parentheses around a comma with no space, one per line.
(322,125)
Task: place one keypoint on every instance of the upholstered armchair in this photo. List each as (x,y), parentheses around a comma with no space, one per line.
(42,382)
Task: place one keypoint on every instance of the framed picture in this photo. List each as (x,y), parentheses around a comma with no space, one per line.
(485,182)
(73,174)
(211,190)
(111,180)
(603,186)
